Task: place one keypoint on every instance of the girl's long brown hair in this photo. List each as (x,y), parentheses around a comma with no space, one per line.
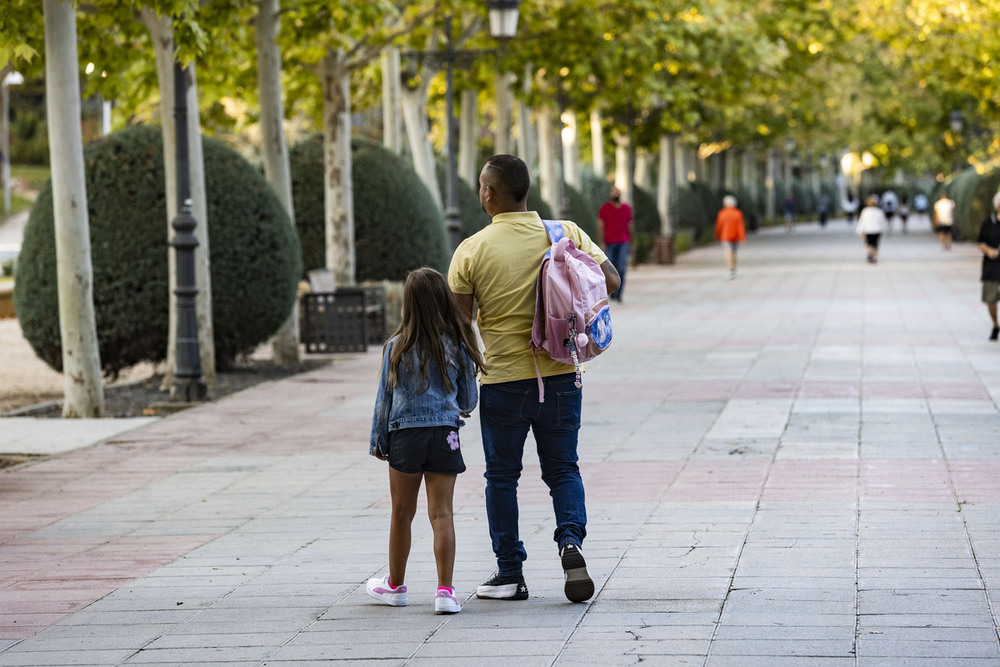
(430,315)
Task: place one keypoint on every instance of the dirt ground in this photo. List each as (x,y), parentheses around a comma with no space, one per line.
(28,387)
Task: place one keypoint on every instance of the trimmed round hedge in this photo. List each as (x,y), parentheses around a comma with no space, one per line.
(255,261)
(397,225)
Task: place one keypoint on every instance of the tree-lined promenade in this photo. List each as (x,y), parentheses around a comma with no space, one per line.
(767,100)
(796,467)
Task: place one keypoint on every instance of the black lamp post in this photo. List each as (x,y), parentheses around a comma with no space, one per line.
(956,122)
(503,26)
(188,385)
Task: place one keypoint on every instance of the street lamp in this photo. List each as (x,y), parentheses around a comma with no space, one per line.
(12,79)
(188,385)
(956,122)
(503,26)
(503,18)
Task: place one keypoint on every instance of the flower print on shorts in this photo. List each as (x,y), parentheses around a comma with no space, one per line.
(453,440)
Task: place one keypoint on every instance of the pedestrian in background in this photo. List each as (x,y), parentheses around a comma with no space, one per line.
(944,219)
(989,245)
(427,384)
(790,209)
(850,206)
(890,204)
(730,229)
(616,229)
(823,208)
(871,225)
(904,212)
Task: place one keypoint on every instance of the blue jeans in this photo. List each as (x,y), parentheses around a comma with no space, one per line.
(506,411)
(618,254)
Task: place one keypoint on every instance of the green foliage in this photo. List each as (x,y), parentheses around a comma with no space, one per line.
(255,257)
(537,204)
(582,212)
(470,209)
(973,192)
(697,205)
(397,225)
(647,223)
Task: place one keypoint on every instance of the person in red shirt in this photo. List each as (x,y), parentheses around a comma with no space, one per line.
(615,228)
(731,230)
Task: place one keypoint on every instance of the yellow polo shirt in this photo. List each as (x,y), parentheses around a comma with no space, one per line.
(499,267)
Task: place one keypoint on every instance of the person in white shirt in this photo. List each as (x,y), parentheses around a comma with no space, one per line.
(944,218)
(871,225)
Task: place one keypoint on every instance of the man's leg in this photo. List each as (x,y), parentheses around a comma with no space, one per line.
(504,430)
(618,254)
(556,430)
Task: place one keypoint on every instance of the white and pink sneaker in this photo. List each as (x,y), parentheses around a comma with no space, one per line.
(445,602)
(381,590)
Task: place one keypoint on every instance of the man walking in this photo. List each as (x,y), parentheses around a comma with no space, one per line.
(616,230)
(497,267)
(944,218)
(989,245)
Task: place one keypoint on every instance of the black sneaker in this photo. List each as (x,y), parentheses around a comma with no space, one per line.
(579,587)
(995,333)
(503,588)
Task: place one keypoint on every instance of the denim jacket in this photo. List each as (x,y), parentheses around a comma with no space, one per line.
(405,407)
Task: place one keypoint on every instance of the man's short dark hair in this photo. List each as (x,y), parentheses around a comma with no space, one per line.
(510,176)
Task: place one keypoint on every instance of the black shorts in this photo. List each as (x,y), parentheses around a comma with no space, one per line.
(944,229)
(871,240)
(426,449)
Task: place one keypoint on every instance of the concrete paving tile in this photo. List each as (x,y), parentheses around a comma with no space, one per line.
(925,620)
(11,658)
(201,656)
(958,651)
(814,648)
(778,661)
(584,651)
(461,661)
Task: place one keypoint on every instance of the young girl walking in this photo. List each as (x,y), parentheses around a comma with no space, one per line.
(427,384)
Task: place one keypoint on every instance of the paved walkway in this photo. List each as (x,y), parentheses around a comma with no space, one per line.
(796,467)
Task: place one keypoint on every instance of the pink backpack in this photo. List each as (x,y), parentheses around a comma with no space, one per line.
(572,317)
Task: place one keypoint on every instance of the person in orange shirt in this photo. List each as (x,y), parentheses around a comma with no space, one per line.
(731,230)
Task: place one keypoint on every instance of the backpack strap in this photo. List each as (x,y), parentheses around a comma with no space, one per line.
(554,229)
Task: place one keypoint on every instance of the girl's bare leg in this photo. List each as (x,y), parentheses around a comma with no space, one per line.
(403,487)
(440,497)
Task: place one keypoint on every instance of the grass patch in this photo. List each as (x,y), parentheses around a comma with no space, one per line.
(33,176)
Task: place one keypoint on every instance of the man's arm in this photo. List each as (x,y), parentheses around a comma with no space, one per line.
(611,277)
(992,253)
(465,302)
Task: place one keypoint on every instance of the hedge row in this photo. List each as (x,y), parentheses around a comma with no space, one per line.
(254,255)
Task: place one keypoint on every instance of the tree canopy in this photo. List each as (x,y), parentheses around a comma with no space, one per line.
(876,76)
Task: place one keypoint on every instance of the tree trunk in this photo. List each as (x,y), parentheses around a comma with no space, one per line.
(623,161)
(641,173)
(418,134)
(571,149)
(339,188)
(527,140)
(467,133)
(729,156)
(597,143)
(84,392)
(163,47)
(770,206)
(665,186)
(547,173)
(505,112)
(392,121)
(277,169)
